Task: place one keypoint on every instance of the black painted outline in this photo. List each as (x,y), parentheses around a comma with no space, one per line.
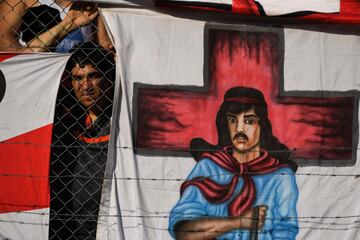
(220,6)
(2,85)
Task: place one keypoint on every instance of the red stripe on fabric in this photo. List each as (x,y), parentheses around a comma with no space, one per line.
(226,156)
(349,14)
(24,171)
(4,56)
(212,191)
(218,160)
(246,7)
(224,160)
(95,140)
(172,5)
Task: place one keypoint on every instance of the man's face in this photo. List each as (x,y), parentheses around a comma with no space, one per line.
(89,85)
(244,130)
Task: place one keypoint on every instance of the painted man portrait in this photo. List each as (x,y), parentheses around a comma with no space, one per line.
(244,187)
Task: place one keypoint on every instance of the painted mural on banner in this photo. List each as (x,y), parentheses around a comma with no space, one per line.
(318,136)
(243,180)
(228,131)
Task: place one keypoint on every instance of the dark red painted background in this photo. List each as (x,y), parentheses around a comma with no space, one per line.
(316,128)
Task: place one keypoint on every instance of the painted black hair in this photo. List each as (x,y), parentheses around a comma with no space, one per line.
(256,100)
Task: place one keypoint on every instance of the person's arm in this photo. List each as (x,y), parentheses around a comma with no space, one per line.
(102,35)
(11,12)
(78,16)
(285,221)
(210,228)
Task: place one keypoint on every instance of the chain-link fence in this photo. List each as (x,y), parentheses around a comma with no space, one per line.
(83,111)
(80,142)
(47,25)
(83,107)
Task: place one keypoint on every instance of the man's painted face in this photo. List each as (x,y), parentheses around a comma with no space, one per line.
(244,130)
(89,85)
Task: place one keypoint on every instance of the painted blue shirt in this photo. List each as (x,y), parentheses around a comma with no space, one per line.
(277,190)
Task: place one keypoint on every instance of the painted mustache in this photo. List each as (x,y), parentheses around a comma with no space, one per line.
(241,135)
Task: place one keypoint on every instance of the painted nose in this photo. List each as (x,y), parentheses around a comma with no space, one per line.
(240,126)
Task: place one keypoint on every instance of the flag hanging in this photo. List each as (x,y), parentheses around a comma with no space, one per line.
(29,85)
(186,82)
(328,11)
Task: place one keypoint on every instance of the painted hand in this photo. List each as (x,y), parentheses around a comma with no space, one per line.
(247,217)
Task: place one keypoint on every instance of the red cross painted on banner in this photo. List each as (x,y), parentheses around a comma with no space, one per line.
(315,127)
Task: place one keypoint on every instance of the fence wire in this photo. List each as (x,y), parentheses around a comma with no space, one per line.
(83,107)
(80,140)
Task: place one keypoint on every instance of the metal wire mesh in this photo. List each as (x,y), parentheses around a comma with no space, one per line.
(83,107)
(56,26)
(81,143)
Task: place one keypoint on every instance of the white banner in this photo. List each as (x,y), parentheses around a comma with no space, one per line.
(29,85)
(174,74)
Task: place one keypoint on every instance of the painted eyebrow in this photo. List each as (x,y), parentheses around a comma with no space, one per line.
(230,115)
(245,116)
(251,115)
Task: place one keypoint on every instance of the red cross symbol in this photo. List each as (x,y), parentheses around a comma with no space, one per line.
(314,126)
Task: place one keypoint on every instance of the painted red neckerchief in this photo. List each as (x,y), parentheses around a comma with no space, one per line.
(216,193)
